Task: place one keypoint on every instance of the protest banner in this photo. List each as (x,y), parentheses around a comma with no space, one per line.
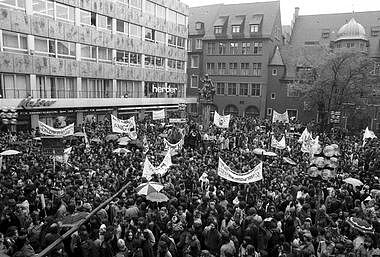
(124,126)
(161,169)
(368,134)
(173,147)
(278,144)
(222,121)
(159,115)
(251,176)
(280,117)
(55,132)
(178,120)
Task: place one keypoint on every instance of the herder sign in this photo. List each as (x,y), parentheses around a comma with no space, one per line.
(254,175)
(50,131)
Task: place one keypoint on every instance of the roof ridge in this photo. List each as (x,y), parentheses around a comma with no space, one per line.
(341,13)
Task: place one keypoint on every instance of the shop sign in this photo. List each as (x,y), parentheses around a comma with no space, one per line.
(164,89)
(33,103)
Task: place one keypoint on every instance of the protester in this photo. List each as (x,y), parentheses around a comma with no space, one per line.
(290,212)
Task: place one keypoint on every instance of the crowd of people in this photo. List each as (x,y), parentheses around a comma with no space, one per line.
(288,213)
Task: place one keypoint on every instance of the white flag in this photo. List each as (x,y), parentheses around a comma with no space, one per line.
(254,175)
(281,117)
(368,134)
(222,121)
(149,169)
(159,115)
(278,144)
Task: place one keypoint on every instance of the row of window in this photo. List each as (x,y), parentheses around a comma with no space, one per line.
(18,86)
(232,89)
(67,13)
(17,42)
(222,66)
(234,48)
(253,28)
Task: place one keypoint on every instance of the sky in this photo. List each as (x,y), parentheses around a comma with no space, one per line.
(306,6)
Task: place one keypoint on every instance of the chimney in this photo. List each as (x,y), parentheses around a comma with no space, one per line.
(292,24)
(296,12)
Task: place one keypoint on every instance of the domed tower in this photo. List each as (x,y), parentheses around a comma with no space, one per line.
(352,35)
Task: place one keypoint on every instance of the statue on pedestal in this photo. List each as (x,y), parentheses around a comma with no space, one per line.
(207,92)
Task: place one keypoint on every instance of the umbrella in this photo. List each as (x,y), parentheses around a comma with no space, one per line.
(79,134)
(73,219)
(258,151)
(149,187)
(353,181)
(270,154)
(157,197)
(360,224)
(9,152)
(289,161)
(96,140)
(111,137)
(121,150)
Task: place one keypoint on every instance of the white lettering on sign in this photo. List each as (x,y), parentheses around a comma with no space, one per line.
(165,89)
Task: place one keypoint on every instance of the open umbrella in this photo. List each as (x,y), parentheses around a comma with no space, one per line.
(157,197)
(79,134)
(9,152)
(121,151)
(258,151)
(360,224)
(149,187)
(111,137)
(353,181)
(289,161)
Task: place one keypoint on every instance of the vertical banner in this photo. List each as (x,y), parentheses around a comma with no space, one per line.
(159,115)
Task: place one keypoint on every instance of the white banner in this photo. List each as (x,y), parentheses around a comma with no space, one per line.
(306,135)
(159,115)
(124,126)
(50,131)
(173,147)
(222,121)
(180,120)
(254,175)
(65,157)
(278,144)
(310,145)
(280,117)
(149,169)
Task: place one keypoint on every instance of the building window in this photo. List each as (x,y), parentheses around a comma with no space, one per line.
(220,86)
(14,86)
(257,47)
(127,88)
(255,90)
(135,30)
(88,53)
(222,48)
(181,19)
(274,72)
(257,69)
(160,12)
(233,66)
(273,96)
(149,61)
(246,48)
(150,8)
(198,25)
(135,4)
(65,13)
(66,50)
(160,62)
(87,18)
(104,22)
(135,59)
(194,81)
(14,3)
(218,30)
(350,44)
(210,67)
(172,40)
(181,42)
(291,91)
(244,89)
(211,48)
(43,7)
(325,34)
(292,113)
(254,28)
(236,29)
(122,57)
(194,61)
(172,16)
(198,43)
(375,31)
(14,42)
(122,27)
(222,68)
(44,46)
(232,89)
(104,54)
(269,111)
(160,36)
(244,66)
(97,88)
(171,63)
(233,48)
(149,34)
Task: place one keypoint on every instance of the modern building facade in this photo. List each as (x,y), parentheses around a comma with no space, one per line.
(233,44)
(92,57)
(337,32)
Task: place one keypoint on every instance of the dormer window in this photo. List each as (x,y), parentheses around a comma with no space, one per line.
(375,31)
(236,29)
(198,25)
(218,30)
(254,28)
(325,33)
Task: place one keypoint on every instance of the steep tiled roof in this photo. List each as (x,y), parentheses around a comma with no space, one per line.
(210,14)
(277,58)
